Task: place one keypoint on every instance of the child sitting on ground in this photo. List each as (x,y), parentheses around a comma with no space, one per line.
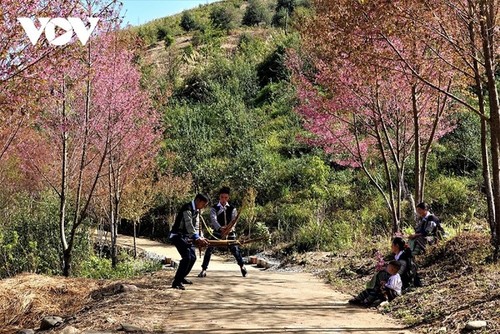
(393,287)
(386,291)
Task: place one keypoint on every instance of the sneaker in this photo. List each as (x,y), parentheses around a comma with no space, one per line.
(186,281)
(203,273)
(243,271)
(178,286)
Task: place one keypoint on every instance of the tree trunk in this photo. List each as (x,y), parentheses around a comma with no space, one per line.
(487,23)
(487,178)
(416,126)
(62,195)
(135,236)
(486,168)
(390,188)
(67,257)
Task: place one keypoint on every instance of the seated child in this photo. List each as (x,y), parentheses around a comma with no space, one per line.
(386,291)
(393,287)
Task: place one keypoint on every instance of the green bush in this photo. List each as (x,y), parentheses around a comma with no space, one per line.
(450,196)
(454,157)
(196,89)
(162,33)
(188,22)
(169,40)
(281,18)
(325,236)
(29,239)
(256,13)
(100,268)
(223,18)
(286,4)
(273,68)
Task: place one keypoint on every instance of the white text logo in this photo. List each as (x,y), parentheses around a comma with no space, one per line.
(49,25)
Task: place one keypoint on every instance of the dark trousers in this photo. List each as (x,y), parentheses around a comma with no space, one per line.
(188,257)
(235,250)
(377,292)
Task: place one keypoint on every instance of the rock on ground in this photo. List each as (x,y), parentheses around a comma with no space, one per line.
(474,325)
(50,322)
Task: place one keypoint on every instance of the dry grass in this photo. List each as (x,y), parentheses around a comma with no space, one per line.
(85,303)
(27,298)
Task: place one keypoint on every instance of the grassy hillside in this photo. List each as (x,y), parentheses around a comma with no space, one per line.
(219,75)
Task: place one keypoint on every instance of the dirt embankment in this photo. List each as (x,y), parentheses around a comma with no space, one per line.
(460,283)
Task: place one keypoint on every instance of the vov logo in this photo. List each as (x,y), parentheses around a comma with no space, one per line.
(70,25)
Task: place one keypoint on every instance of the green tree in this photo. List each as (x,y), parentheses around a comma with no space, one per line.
(257,12)
(223,17)
(289,5)
(162,33)
(188,22)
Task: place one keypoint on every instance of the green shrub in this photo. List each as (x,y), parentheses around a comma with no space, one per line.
(273,68)
(325,236)
(162,33)
(101,268)
(188,22)
(196,89)
(256,13)
(449,194)
(223,18)
(281,18)
(169,40)
(29,239)
(286,4)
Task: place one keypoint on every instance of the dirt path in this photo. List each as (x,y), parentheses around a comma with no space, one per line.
(225,302)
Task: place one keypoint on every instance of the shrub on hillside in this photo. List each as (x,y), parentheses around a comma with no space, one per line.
(101,268)
(324,236)
(273,68)
(256,13)
(29,238)
(223,18)
(449,195)
(188,22)
(196,89)
(162,33)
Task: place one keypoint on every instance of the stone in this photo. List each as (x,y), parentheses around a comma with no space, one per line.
(126,288)
(442,330)
(70,330)
(26,331)
(474,325)
(50,322)
(384,304)
(128,328)
(261,263)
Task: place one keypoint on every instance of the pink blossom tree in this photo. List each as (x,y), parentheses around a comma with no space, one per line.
(367,115)
(97,126)
(133,128)
(21,66)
